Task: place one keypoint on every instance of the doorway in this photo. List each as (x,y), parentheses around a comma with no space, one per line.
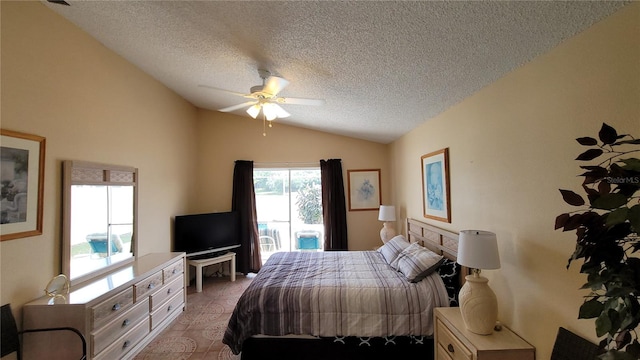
(289,209)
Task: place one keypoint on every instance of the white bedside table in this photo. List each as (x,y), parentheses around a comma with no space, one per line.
(454,342)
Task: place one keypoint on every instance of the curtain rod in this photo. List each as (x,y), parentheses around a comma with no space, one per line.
(286,164)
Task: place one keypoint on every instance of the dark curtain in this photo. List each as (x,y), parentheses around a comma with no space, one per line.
(244,201)
(333,205)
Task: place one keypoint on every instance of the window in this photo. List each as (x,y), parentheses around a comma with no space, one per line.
(289,210)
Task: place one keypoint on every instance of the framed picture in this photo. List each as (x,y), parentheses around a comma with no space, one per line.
(364,189)
(436,199)
(22,184)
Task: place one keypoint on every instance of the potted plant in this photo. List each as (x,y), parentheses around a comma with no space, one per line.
(607,226)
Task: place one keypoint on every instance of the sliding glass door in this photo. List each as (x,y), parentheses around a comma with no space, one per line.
(289,209)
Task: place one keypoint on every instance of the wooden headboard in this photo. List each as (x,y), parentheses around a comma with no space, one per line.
(438,240)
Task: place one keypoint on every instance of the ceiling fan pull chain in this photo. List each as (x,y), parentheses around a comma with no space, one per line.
(264,122)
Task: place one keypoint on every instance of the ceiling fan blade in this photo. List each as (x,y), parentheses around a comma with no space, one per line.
(61,2)
(300,101)
(224,91)
(239,106)
(274,85)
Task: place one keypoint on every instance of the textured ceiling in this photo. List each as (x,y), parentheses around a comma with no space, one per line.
(382,67)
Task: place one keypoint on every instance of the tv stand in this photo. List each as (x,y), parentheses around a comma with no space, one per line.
(200,263)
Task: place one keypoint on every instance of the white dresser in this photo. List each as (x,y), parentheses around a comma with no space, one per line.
(119,313)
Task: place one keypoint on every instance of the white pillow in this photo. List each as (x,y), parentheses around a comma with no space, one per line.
(416,262)
(392,248)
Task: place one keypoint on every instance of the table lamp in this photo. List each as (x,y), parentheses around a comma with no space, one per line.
(478,250)
(387,214)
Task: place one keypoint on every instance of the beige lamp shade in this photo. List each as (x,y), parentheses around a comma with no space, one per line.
(478,249)
(387,213)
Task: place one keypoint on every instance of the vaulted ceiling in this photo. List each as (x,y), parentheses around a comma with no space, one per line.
(382,67)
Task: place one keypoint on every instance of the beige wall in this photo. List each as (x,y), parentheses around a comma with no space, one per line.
(218,150)
(511,148)
(92,105)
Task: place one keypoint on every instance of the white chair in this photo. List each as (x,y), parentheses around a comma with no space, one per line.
(267,243)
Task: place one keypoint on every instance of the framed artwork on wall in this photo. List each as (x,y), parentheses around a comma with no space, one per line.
(436,198)
(22,184)
(364,189)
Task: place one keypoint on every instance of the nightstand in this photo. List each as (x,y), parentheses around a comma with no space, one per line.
(454,342)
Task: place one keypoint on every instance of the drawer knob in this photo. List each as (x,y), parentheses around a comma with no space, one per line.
(116,307)
(150,286)
(126,323)
(450,348)
(170,308)
(174,271)
(126,344)
(169,291)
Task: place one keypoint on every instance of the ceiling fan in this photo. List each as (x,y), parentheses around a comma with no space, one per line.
(265,98)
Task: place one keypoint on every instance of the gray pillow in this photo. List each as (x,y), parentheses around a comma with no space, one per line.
(392,248)
(416,262)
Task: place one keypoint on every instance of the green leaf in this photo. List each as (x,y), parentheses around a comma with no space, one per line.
(572,198)
(619,292)
(589,154)
(594,174)
(607,134)
(631,164)
(591,309)
(573,222)
(631,142)
(627,320)
(609,201)
(587,141)
(603,324)
(604,188)
(615,319)
(561,220)
(617,216)
(634,348)
(594,285)
(618,355)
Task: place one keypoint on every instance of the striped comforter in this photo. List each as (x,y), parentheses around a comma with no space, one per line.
(334,293)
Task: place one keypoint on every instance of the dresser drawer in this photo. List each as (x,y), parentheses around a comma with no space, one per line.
(173,270)
(450,345)
(125,343)
(167,308)
(110,308)
(148,285)
(166,292)
(123,323)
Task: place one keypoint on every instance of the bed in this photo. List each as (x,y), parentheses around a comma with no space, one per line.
(349,304)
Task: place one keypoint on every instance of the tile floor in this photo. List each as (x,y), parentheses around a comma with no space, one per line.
(197,333)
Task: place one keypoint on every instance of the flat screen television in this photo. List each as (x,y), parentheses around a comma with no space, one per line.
(203,235)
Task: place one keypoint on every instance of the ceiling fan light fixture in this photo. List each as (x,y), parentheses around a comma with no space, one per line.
(270,111)
(265,99)
(254,110)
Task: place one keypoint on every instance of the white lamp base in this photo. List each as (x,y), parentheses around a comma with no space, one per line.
(387,232)
(478,305)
